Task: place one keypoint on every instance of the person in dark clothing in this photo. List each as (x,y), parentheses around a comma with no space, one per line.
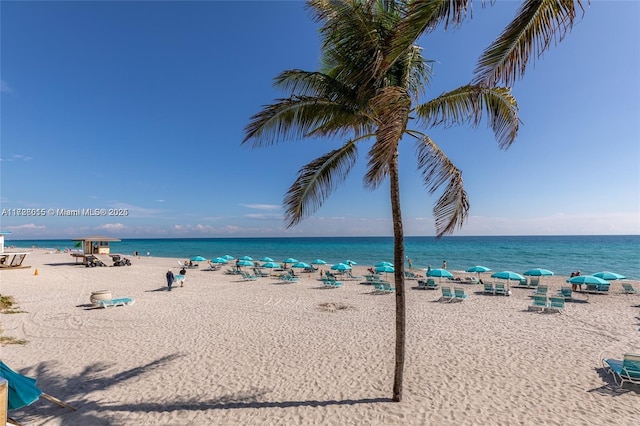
(170,279)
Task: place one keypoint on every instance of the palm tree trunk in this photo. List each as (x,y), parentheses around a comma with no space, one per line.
(398,262)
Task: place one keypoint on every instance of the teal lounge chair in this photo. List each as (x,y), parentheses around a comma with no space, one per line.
(387,288)
(625,370)
(447,294)
(288,278)
(500,289)
(566,292)
(330,283)
(114,302)
(556,304)
(378,287)
(542,289)
(628,289)
(603,288)
(459,294)
(488,288)
(247,276)
(540,302)
(429,284)
(533,282)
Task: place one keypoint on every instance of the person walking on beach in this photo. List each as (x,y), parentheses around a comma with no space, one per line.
(170,279)
(444,264)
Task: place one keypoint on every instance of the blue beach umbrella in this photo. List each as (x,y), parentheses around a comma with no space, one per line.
(228,257)
(341,267)
(609,276)
(538,272)
(380,264)
(244,263)
(290,260)
(440,273)
(272,265)
(509,276)
(318,262)
(350,262)
(301,265)
(219,260)
(198,259)
(385,268)
(246,258)
(586,279)
(266,259)
(478,269)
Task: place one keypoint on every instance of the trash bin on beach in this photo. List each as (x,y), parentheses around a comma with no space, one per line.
(100,295)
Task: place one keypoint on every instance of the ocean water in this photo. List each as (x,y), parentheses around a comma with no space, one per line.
(560,254)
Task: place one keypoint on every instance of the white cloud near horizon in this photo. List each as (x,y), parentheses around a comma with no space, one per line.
(262,206)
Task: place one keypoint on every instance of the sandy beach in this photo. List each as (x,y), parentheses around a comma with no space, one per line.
(221,351)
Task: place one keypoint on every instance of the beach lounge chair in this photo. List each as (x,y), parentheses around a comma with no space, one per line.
(121,301)
(566,292)
(410,275)
(260,273)
(556,304)
(602,288)
(488,288)
(288,278)
(625,370)
(501,289)
(378,287)
(542,289)
(447,294)
(429,284)
(628,289)
(540,302)
(247,276)
(459,294)
(387,288)
(328,282)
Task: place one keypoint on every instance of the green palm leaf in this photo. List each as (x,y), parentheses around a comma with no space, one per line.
(537,25)
(466,104)
(316,181)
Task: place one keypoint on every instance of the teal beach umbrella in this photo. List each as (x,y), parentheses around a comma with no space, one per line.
(609,276)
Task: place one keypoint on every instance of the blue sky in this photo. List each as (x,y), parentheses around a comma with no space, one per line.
(141,106)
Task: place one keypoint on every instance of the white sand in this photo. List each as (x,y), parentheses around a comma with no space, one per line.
(224,352)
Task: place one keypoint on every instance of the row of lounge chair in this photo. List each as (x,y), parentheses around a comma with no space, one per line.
(331,283)
(542,303)
(496,289)
(457,295)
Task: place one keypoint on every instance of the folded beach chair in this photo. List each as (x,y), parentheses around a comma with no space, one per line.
(121,301)
(556,304)
(447,294)
(628,289)
(459,294)
(540,302)
(625,370)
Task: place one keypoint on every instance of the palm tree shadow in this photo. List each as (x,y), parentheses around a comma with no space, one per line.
(76,391)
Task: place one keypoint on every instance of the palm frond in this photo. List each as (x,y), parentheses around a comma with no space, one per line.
(466,104)
(316,181)
(297,117)
(391,108)
(452,208)
(420,16)
(538,24)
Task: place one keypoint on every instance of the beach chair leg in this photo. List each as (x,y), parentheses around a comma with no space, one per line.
(13,422)
(57,401)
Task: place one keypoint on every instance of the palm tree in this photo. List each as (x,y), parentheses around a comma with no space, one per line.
(369,85)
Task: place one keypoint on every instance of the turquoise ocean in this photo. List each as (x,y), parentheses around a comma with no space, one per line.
(560,254)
